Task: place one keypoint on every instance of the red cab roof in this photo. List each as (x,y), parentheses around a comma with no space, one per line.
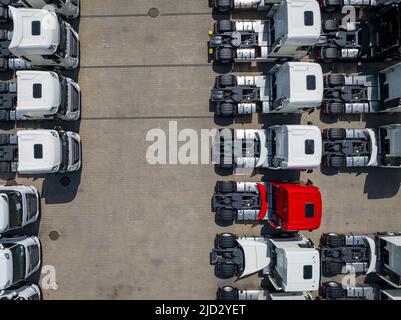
(298,206)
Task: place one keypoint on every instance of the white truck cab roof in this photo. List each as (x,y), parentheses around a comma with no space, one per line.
(301,84)
(36,31)
(38,151)
(300,146)
(38,91)
(256,255)
(6,268)
(298,22)
(299,268)
(4,213)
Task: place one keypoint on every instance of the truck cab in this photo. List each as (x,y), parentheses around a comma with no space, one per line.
(27,292)
(40,152)
(40,95)
(290,30)
(40,39)
(19,259)
(290,265)
(66,8)
(292,87)
(19,206)
(287,207)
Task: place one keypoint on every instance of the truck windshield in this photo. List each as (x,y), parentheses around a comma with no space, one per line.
(62,47)
(19,262)
(65,152)
(15,205)
(62,110)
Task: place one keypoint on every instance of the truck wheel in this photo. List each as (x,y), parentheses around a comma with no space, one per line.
(335,79)
(5,167)
(226,186)
(225,110)
(333,290)
(225,270)
(225,26)
(226,80)
(337,162)
(3,87)
(330,25)
(4,115)
(226,240)
(332,269)
(4,139)
(330,54)
(227,293)
(335,108)
(224,5)
(226,55)
(333,240)
(331,5)
(226,216)
(336,134)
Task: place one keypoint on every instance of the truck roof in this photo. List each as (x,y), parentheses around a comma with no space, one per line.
(38,91)
(301,83)
(303,146)
(38,150)
(35,32)
(298,205)
(4,214)
(298,22)
(6,268)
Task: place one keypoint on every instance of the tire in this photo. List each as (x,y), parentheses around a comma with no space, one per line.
(330,54)
(332,269)
(225,110)
(227,293)
(330,25)
(224,5)
(226,80)
(4,139)
(226,186)
(335,108)
(333,290)
(226,240)
(226,55)
(226,216)
(336,134)
(5,167)
(331,5)
(3,87)
(225,270)
(337,162)
(4,115)
(335,79)
(333,240)
(225,26)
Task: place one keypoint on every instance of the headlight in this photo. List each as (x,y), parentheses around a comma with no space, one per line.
(53,109)
(54,134)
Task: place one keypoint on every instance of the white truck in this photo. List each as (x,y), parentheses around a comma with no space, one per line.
(293,87)
(66,8)
(351,147)
(363,93)
(296,147)
(19,206)
(376,254)
(26,292)
(290,30)
(38,39)
(39,95)
(19,258)
(40,152)
(289,264)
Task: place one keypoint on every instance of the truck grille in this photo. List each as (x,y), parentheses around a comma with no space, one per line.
(76,152)
(35,256)
(32,205)
(74,46)
(75,100)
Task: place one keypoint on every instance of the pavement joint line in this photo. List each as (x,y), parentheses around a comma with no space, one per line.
(133,66)
(134,15)
(145,118)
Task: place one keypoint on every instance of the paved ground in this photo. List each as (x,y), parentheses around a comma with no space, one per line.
(129,230)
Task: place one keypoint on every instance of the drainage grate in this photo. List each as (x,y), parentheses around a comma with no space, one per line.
(153,12)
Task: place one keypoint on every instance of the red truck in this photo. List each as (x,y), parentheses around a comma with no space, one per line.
(287,207)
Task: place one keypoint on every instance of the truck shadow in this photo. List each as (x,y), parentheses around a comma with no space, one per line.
(329,119)
(63,188)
